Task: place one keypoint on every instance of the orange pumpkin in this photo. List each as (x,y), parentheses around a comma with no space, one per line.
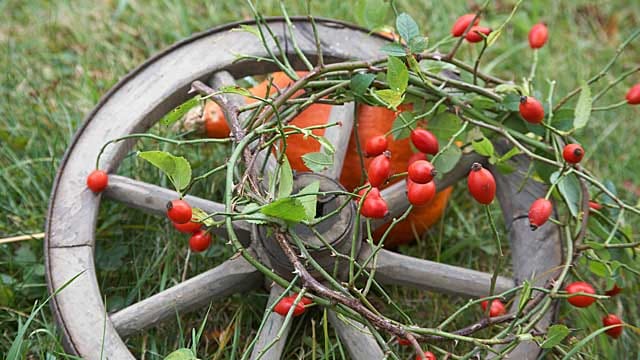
(372,121)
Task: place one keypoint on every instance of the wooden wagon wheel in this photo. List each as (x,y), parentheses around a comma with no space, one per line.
(159,85)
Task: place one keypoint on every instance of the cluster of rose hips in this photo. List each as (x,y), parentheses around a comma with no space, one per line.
(583,301)
(284,305)
(420,186)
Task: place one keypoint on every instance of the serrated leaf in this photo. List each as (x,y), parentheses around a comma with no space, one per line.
(555,335)
(285,186)
(177,168)
(394,49)
(483,147)
(407,27)
(234,89)
(201,216)
(402,125)
(397,74)
(361,82)
(252,210)
(511,102)
(448,159)
(288,209)
(177,113)
(583,108)
(310,201)
(418,44)
(317,161)
(391,98)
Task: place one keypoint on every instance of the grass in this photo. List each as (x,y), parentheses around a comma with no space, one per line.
(59,58)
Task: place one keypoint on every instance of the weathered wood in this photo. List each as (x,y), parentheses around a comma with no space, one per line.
(339,136)
(268,335)
(535,254)
(396,194)
(360,343)
(153,198)
(397,269)
(232,276)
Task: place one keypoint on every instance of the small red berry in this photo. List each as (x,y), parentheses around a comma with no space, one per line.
(283,306)
(462,23)
(373,205)
(531,110)
(376,145)
(580,300)
(415,157)
(97,181)
(539,212)
(199,241)
(594,205)
(613,320)
(379,169)
(473,36)
(573,153)
(421,172)
(420,194)
(425,141)
(188,227)
(497,308)
(305,300)
(615,290)
(427,355)
(481,183)
(179,211)
(633,95)
(538,35)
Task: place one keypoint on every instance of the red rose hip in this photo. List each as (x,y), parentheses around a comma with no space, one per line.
(531,110)
(188,227)
(421,171)
(633,95)
(420,194)
(497,308)
(539,212)
(427,355)
(482,184)
(179,211)
(373,205)
(199,241)
(580,300)
(97,181)
(376,145)
(379,169)
(538,35)
(425,141)
(573,153)
(462,23)
(610,320)
(473,36)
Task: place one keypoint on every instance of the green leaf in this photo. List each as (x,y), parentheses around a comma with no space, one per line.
(402,125)
(555,335)
(448,159)
(250,29)
(583,108)
(361,82)
(200,215)
(179,111)
(444,125)
(394,49)
(509,154)
(599,269)
(176,168)
(286,179)
(288,209)
(317,161)
(434,66)
(234,89)
(327,146)
(397,74)
(252,210)
(181,354)
(563,119)
(483,147)
(511,102)
(407,27)
(526,295)
(391,98)
(371,13)
(418,44)
(309,202)
(569,188)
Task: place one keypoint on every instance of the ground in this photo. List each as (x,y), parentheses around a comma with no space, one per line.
(60,57)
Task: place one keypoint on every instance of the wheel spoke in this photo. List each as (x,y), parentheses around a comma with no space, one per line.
(232,276)
(268,336)
(153,198)
(397,269)
(396,194)
(339,136)
(358,340)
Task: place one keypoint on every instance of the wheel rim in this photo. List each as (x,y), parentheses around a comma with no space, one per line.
(138,101)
